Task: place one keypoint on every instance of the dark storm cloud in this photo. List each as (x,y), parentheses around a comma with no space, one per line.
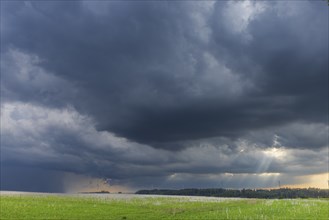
(287,57)
(158,72)
(31,179)
(24,80)
(171,94)
(63,141)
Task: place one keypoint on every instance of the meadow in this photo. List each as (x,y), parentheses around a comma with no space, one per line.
(34,206)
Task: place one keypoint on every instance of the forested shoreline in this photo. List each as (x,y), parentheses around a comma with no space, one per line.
(244,193)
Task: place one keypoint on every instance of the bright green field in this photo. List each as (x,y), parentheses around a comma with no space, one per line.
(84,207)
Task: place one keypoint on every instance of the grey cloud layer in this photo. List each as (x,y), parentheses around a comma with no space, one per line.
(158,72)
(161,91)
(40,139)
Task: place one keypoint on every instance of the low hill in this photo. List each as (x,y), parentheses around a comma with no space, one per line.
(244,193)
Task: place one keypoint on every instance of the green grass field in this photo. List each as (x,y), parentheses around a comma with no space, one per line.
(88,207)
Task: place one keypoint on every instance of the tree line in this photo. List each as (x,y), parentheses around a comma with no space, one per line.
(244,193)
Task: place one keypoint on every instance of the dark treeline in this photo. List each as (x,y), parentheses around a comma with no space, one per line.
(244,193)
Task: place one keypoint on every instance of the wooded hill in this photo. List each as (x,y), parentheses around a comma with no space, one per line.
(244,193)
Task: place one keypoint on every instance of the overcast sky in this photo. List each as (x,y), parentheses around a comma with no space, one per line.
(163,94)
